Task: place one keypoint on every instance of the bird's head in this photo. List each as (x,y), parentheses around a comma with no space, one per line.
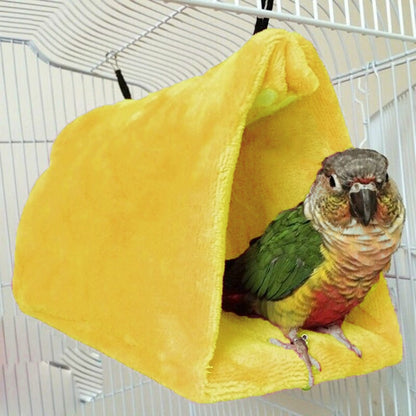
(354,187)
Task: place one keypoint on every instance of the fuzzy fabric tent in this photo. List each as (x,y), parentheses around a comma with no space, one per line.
(122,242)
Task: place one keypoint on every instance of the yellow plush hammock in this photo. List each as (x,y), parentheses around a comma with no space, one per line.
(123,239)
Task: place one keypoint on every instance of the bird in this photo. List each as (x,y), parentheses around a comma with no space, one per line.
(316,261)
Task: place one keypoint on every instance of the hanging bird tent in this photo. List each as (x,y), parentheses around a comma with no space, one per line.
(123,239)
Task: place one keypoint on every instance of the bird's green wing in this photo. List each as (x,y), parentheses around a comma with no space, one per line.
(282,259)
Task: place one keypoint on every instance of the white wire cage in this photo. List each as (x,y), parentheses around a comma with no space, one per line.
(56,63)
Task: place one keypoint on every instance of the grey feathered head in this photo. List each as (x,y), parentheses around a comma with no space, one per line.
(356,163)
(353,186)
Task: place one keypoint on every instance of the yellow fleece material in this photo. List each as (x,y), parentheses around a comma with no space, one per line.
(122,241)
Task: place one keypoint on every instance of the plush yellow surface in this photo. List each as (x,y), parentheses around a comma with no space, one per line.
(123,239)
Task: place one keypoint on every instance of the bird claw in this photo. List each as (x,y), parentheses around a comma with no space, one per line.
(336,331)
(299,345)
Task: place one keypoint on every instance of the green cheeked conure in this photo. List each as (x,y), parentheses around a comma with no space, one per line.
(317,261)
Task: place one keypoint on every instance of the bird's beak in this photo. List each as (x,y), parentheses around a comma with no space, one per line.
(363,201)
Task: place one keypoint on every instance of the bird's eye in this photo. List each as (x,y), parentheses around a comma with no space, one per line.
(334,182)
(381,182)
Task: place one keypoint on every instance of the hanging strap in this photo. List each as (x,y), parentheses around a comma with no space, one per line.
(122,84)
(120,78)
(263,22)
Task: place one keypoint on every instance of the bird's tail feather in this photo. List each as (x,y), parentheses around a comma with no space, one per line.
(235,298)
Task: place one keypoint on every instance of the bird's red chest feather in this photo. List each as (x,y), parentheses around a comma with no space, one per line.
(329,307)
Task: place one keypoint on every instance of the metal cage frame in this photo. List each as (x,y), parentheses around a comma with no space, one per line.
(56,62)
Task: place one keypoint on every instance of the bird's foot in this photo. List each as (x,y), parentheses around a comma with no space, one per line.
(300,346)
(336,331)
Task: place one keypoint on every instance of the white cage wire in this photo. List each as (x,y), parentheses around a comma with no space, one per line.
(56,64)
